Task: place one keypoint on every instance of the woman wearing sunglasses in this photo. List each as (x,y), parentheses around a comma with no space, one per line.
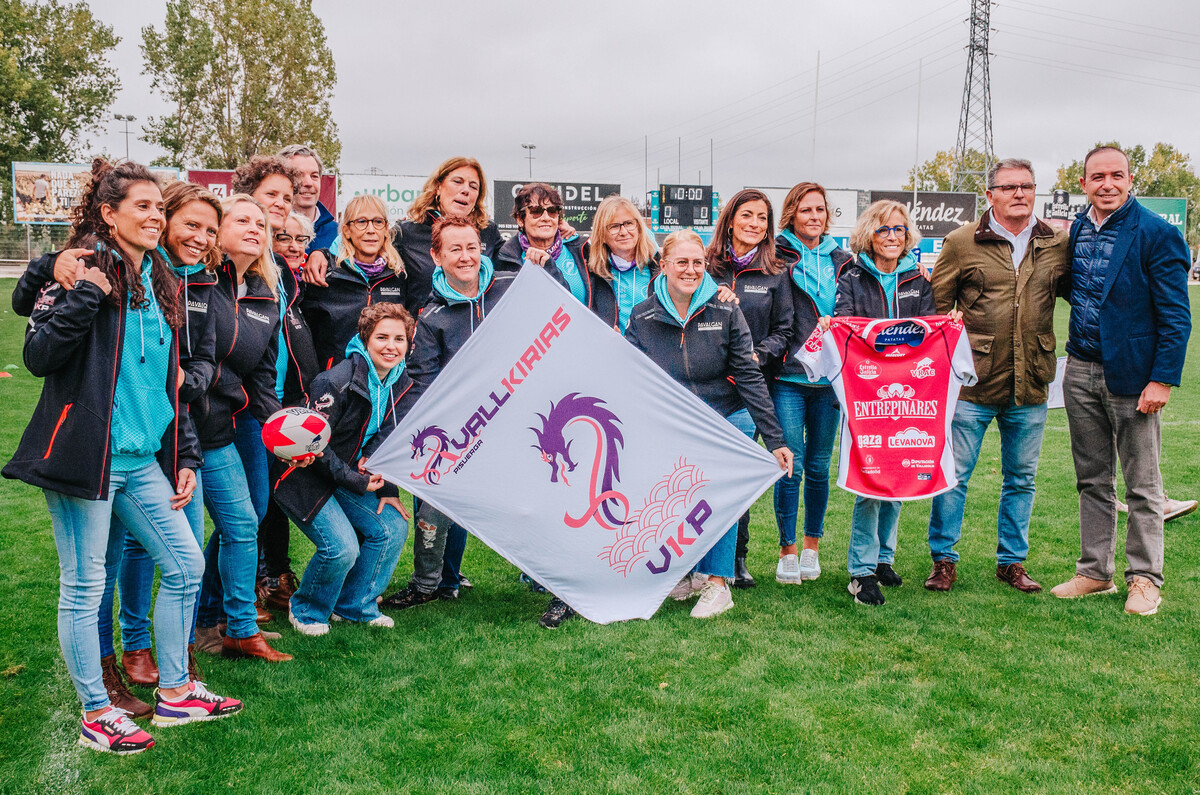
(368,270)
(537,209)
(884,281)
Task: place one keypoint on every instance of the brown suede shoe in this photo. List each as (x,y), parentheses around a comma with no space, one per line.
(118,691)
(253,646)
(208,640)
(943,576)
(140,667)
(1015,575)
(194,672)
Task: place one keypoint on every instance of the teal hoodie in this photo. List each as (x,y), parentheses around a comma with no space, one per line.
(706,290)
(442,287)
(888,280)
(142,411)
(381,391)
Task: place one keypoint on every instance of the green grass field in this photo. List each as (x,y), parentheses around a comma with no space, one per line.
(795,690)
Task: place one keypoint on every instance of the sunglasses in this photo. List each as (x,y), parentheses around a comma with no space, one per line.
(538,212)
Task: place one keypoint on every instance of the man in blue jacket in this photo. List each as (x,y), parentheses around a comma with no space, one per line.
(1130,321)
(307,202)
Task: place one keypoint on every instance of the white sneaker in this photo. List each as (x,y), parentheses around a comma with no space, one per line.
(1173,509)
(312,630)
(714,600)
(382,621)
(810,565)
(787,570)
(688,587)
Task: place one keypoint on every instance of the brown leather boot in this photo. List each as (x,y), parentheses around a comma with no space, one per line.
(140,667)
(264,616)
(253,646)
(273,594)
(118,691)
(1015,575)
(288,584)
(943,576)
(194,672)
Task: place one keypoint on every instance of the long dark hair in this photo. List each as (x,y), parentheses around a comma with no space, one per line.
(110,185)
(718,248)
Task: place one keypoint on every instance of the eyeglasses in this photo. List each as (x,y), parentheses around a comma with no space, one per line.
(361,224)
(627,226)
(686,264)
(538,212)
(1008,190)
(285,238)
(891,231)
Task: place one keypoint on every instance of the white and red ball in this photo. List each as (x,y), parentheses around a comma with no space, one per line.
(296,433)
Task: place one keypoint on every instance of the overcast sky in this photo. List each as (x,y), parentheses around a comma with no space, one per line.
(588,82)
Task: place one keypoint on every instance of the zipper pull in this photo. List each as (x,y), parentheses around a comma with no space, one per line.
(681,340)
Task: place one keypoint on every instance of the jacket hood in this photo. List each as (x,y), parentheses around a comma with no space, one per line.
(379,390)
(706,290)
(442,287)
(906,263)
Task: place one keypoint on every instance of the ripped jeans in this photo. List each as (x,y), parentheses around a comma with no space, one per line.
(429,547)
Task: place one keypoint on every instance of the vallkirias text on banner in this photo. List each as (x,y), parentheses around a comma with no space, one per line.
(897,382)
(575,457)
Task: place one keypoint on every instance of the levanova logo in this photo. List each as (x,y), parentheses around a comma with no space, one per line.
(435,448)
(672,516)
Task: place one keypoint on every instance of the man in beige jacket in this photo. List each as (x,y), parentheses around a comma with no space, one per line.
(1003,272)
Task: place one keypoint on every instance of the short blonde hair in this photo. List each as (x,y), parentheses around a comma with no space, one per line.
(264,267)
(598,251)
(676,238)
(875,216)
(353,208)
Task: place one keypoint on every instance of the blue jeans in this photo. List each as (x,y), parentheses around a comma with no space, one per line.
(81,534)
(810,416)
(718,561)
(247,437)
(343,576)
(456,545)
(1020,446)
(231,556)
(872,535)
(133,568)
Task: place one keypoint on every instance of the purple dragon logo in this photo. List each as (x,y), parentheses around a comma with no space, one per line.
(433,442)
(606,464)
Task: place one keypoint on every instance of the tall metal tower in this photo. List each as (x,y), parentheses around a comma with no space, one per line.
(975,120)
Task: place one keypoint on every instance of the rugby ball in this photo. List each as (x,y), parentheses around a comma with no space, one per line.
(296,433)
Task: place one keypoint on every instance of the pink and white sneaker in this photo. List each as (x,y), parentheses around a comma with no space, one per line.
(198,704)
(115,733)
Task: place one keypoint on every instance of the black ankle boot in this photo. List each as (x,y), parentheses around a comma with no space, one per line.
(741,575)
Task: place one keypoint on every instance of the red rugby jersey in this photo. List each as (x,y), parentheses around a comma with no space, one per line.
(897,381)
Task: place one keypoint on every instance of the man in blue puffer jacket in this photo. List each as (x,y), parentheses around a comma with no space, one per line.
(1130,321)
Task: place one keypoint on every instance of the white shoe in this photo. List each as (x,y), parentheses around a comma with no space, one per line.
(810,565)
(787,570)
(382,621)
(688,587)
(1173,509)
(334,618)
(312,630)
(714,600)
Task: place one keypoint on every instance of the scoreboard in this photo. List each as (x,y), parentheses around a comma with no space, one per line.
(685,206)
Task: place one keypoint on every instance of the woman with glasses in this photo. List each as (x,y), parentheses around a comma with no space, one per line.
(291,242)
(622,259)
(882,282)
(537,209)
(718,366)
(368,270)
(741,256)
(807,408)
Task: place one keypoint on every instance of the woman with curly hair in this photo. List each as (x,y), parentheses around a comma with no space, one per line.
(108,436)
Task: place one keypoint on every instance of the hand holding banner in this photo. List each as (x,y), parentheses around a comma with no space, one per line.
(574,456)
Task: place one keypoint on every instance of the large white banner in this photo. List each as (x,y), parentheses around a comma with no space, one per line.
(570,453)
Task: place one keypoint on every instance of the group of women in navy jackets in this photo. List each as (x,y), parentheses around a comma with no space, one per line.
(175,324)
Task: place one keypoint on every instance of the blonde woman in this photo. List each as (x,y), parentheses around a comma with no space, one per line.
(368,270)
(244,310)
(622,259)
